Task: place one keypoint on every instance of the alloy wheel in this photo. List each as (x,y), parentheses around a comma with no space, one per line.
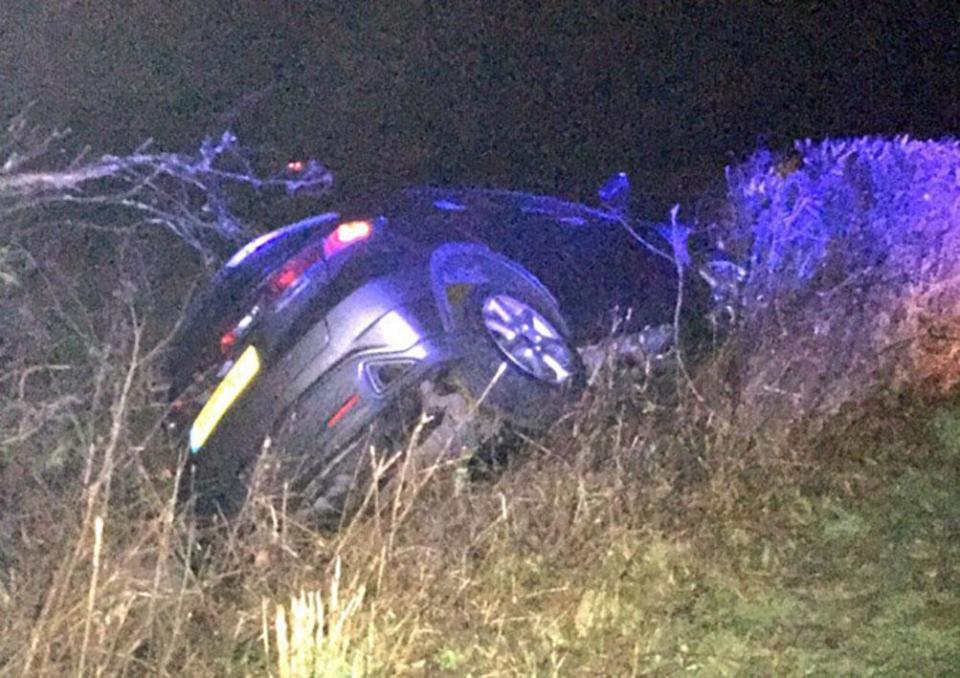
(527,338)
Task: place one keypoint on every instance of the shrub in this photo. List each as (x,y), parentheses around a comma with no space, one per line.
(852,253)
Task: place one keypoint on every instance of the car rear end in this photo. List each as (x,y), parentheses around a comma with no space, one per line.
(319,340)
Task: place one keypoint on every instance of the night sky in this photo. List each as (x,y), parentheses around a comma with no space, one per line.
(506,94)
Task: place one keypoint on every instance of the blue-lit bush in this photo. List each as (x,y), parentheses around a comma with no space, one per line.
(857,200)
(852,255)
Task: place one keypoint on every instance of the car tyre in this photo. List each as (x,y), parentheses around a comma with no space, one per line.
(501,323)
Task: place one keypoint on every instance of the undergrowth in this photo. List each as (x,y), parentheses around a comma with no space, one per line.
(592,556)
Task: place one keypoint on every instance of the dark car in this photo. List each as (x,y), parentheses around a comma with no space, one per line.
(316,334)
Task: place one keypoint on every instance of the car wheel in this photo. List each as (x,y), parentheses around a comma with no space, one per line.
(518,359)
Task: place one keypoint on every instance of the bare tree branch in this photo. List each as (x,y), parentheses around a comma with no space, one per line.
(185,193)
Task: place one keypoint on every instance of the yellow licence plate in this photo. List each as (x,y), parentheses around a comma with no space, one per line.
(226,393)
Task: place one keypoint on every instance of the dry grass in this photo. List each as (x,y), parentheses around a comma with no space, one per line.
(598,552)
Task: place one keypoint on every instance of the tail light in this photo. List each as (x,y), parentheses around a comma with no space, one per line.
(345,235)
(293,269)
(228,341)
(232,336)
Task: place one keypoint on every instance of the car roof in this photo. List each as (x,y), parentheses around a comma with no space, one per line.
(491,199)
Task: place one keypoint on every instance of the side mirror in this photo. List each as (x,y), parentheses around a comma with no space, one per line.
(615,193)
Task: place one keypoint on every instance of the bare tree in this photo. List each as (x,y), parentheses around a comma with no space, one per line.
(185,193)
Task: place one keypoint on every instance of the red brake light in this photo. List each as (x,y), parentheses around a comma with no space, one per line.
(343,236)
(227,341)
(346,234)
(293,269)
(286,277)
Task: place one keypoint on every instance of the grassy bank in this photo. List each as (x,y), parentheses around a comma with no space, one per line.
(591,557)
(839,560)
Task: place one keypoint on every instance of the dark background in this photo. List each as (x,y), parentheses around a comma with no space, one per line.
(546,96)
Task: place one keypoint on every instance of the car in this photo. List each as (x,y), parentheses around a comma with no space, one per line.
(349,324)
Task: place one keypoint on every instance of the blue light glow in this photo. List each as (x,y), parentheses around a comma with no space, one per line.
(449,206)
